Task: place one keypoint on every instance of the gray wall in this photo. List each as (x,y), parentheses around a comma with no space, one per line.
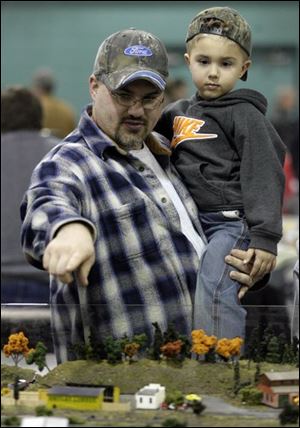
(65,36)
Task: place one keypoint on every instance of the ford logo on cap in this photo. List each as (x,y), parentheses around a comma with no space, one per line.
(138,50)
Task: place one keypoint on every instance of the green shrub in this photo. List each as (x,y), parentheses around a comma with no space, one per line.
(43,411)
(12,421)
(74,420)
(173,422)
(175,397)
(251,395)
(289,415)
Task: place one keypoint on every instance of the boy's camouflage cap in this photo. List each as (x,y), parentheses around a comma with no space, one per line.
(222,21)
(129,55)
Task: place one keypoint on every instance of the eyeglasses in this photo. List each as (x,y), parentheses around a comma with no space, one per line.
(128,100)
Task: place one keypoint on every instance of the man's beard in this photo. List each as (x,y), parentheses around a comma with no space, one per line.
(130,140)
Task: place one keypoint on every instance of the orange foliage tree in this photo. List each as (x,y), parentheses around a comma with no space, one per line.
(131,349)
(201,343)
(229,348)
(171,349)
(17,347)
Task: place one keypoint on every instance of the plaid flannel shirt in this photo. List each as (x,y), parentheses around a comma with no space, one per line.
(145,269)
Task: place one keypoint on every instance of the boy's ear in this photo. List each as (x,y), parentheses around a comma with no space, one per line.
(245,67)
(187,59)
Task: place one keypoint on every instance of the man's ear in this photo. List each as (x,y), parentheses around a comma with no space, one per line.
(245,67)
(187,59)
(94,85)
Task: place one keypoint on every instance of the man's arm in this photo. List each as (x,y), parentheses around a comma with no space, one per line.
(48,211)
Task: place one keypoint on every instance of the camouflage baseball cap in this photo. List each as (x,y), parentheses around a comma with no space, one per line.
(130,55)
(222,21)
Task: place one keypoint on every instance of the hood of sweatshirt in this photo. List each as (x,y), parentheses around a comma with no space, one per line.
(235,97)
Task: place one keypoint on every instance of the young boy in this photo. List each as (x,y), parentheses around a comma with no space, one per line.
(230,158)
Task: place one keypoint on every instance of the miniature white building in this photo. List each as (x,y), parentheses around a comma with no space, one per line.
(150,397)
(44,421)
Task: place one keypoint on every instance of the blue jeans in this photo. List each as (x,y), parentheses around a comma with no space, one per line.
(218,310)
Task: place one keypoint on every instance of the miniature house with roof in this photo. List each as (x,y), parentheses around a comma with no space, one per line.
(150,397)
(279,388)
(72,397)
(102,397)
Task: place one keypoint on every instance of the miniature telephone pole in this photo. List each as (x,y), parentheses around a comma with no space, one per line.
(16,390)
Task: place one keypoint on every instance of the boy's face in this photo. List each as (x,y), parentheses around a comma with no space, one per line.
(216,63)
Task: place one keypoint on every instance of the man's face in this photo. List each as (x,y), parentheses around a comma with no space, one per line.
(216,63)
(126,125)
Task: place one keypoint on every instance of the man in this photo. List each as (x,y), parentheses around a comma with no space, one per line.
(106,213)
(22,147)
(58,115)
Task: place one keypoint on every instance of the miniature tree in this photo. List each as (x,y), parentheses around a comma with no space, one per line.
(229,348)
(272,355)
(295,346)
(267,335)
(282,341)
(82,351)
(257,372)
(253,348)
(113,349)
(17,347)
(236,377)
(16,390)
(201,343)
(288,355)
(38,356)
(140,339)
(170,335)
(131,346)
(210,342)
(131,349)
(172,349)
(198,346)
(96,350)
(157,342)
(186,347)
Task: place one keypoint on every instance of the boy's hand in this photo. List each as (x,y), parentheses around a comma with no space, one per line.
(263,262)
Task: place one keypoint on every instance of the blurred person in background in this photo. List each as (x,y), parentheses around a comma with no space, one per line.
(285,119)
(58,116)
(22,147)
(176,89)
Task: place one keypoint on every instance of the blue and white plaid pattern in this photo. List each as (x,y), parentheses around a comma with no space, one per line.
(145,268)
